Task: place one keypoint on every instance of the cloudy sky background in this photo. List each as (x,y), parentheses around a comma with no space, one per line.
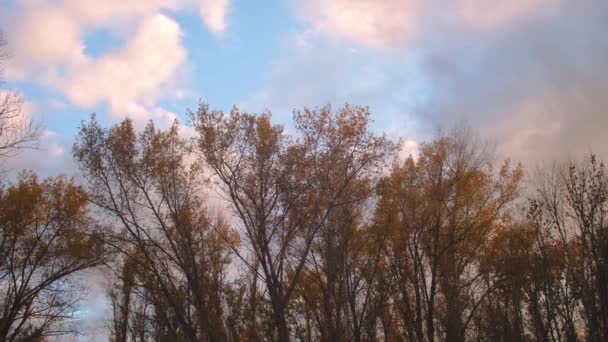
(530,75)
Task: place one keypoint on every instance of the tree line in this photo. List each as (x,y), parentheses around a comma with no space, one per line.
(327,235)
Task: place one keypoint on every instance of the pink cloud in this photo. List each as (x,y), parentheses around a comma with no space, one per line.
(394,23)
(49,47)
(372,23)
(131,77)
(214,13)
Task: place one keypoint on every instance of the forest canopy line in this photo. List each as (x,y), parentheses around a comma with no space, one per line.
(329,237)
(334,239)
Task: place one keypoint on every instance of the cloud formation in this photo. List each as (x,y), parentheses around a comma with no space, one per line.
(214,13)
(369,22)
(536,86)
(49,47)
(395,23)
(131,76)
(530,75)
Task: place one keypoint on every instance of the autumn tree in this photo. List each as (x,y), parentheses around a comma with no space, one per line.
(173,253)
(344,162)
(288,191)
(259,169)
(437,212)
(329,244)
(46,237)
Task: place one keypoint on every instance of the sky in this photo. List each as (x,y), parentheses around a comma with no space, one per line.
(531,76)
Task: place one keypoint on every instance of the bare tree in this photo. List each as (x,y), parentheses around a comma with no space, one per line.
(570,210)
(17,131)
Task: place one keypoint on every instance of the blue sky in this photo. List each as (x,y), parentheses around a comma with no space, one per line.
(530,75)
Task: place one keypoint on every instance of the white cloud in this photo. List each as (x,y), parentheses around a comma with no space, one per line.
(47,39)
(214,13)
(99,13)
(370,22)
(394,23)
(409,147)
(49,35)
(133,75)
(44,40)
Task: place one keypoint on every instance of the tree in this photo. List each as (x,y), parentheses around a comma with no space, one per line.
(569,209)
(46,237)
(442,255)
(437,213)
(173,254)
(287,192)
(258,169)
(344,162)
(17,131)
